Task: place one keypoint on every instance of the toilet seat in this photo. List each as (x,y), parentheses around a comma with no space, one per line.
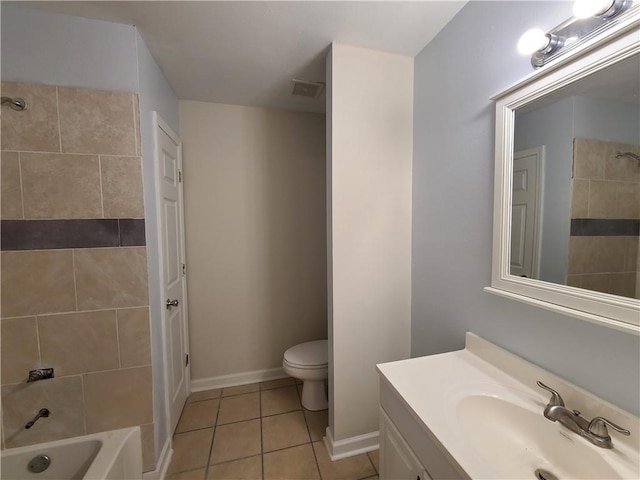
(308,355)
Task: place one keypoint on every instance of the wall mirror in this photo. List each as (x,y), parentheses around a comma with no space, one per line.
(567,184)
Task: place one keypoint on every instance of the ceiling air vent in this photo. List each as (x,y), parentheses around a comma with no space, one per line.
(303,88)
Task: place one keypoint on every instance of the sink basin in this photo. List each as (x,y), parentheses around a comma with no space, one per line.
(520,440)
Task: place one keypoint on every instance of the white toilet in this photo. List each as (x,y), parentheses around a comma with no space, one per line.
(309,362)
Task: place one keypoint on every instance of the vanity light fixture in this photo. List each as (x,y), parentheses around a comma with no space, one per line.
(591,17)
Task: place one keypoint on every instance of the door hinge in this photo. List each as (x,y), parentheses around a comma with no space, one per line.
(180,176)
(184,269)
(187,360)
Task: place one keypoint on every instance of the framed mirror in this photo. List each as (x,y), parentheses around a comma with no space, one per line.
(567,184)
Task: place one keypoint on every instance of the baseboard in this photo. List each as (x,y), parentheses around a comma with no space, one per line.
(339,449)
(163,463)
(235,379)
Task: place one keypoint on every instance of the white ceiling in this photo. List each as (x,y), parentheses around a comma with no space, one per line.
(246,53)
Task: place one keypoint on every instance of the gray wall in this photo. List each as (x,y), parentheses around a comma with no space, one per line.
(455,76)
(48,48)
(552,126)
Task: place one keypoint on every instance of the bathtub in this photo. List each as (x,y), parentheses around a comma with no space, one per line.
(114,455)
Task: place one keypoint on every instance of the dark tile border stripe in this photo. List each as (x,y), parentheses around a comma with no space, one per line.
(57,234)
(600,227)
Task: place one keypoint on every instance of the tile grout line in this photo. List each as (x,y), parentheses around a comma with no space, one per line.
(102,194)
(75,283)
(261,433)
(59,122)
(38,341)
(21,186)
(118,340)
(213,437)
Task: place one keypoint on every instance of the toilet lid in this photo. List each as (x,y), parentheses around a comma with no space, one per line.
(308,354)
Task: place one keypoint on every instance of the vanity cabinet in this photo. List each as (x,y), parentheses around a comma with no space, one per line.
(397,460)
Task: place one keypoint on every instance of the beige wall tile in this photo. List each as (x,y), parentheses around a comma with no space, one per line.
(580,199)
(79,342)
(134,337)
(36,282)
(111,277)
(10,187)
(34,129)
(122,187)
(19,348)
(574,281)
(632,262)
(588,158)
(628,200)
(20,403)
(148,447)
(611,254)
(136,123)
(622,168)
(96,121)
(582,253)
(118,398)
(602,199)
(623,284)
(60,186)
(598,282)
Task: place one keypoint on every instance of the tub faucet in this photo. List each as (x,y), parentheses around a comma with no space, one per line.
(44,412)
(595,430)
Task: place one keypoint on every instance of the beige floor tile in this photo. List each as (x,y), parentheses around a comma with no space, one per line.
(280,400)
(292,463)
(373,477)
(198,415)
(375,459)
(205,395)
(190,450)
(240,389)
(352,468)
(280,382)
(234,441)
(239,408)
(282,431)
(317,423)
(244,469)
(190,475)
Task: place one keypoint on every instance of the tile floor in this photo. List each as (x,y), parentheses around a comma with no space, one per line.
(258,431)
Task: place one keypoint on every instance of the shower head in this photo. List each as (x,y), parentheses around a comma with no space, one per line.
(628,154)
(16,103)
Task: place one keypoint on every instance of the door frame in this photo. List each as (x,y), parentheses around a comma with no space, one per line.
(159,123)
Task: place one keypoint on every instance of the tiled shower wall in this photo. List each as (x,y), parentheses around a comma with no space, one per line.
(605,218)
(74,266)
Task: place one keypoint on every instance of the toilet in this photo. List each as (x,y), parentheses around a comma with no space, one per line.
(309,362)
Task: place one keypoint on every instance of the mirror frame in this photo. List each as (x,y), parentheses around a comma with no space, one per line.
(616,44)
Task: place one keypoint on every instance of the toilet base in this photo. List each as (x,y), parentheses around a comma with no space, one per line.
(313,395)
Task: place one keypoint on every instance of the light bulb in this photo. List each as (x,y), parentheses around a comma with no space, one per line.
(532,41)
(590,8)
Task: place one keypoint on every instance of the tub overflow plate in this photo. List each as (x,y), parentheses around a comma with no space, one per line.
(39,464)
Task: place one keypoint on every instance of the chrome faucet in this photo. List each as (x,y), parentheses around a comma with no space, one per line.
(595,430)
(44,412)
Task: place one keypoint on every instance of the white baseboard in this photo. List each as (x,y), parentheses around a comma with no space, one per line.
(232,380)
(339,449)
(163,463)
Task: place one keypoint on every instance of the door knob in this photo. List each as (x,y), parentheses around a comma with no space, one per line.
(172,303)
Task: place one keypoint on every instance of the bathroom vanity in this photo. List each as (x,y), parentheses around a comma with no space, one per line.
(478,413)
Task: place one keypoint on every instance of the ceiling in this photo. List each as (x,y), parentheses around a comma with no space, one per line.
(247,53)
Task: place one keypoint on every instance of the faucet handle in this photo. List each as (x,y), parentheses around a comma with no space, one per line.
(555,399)
(598,427)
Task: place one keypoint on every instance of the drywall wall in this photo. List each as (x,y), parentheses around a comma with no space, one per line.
(371,110)
(255,236)
(453,204)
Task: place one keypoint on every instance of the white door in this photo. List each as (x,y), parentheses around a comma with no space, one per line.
(172,264)
(526,212)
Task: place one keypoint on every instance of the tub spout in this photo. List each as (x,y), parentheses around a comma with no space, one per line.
(44,412)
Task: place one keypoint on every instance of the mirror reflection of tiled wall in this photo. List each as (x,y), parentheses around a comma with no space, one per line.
(605,217)
(74,266)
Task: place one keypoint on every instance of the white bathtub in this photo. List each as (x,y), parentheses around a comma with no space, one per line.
(114,455)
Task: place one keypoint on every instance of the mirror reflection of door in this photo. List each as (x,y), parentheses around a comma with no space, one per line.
(526,212)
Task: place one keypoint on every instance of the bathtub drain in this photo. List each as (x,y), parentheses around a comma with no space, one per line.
(39,464)
(542,474)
